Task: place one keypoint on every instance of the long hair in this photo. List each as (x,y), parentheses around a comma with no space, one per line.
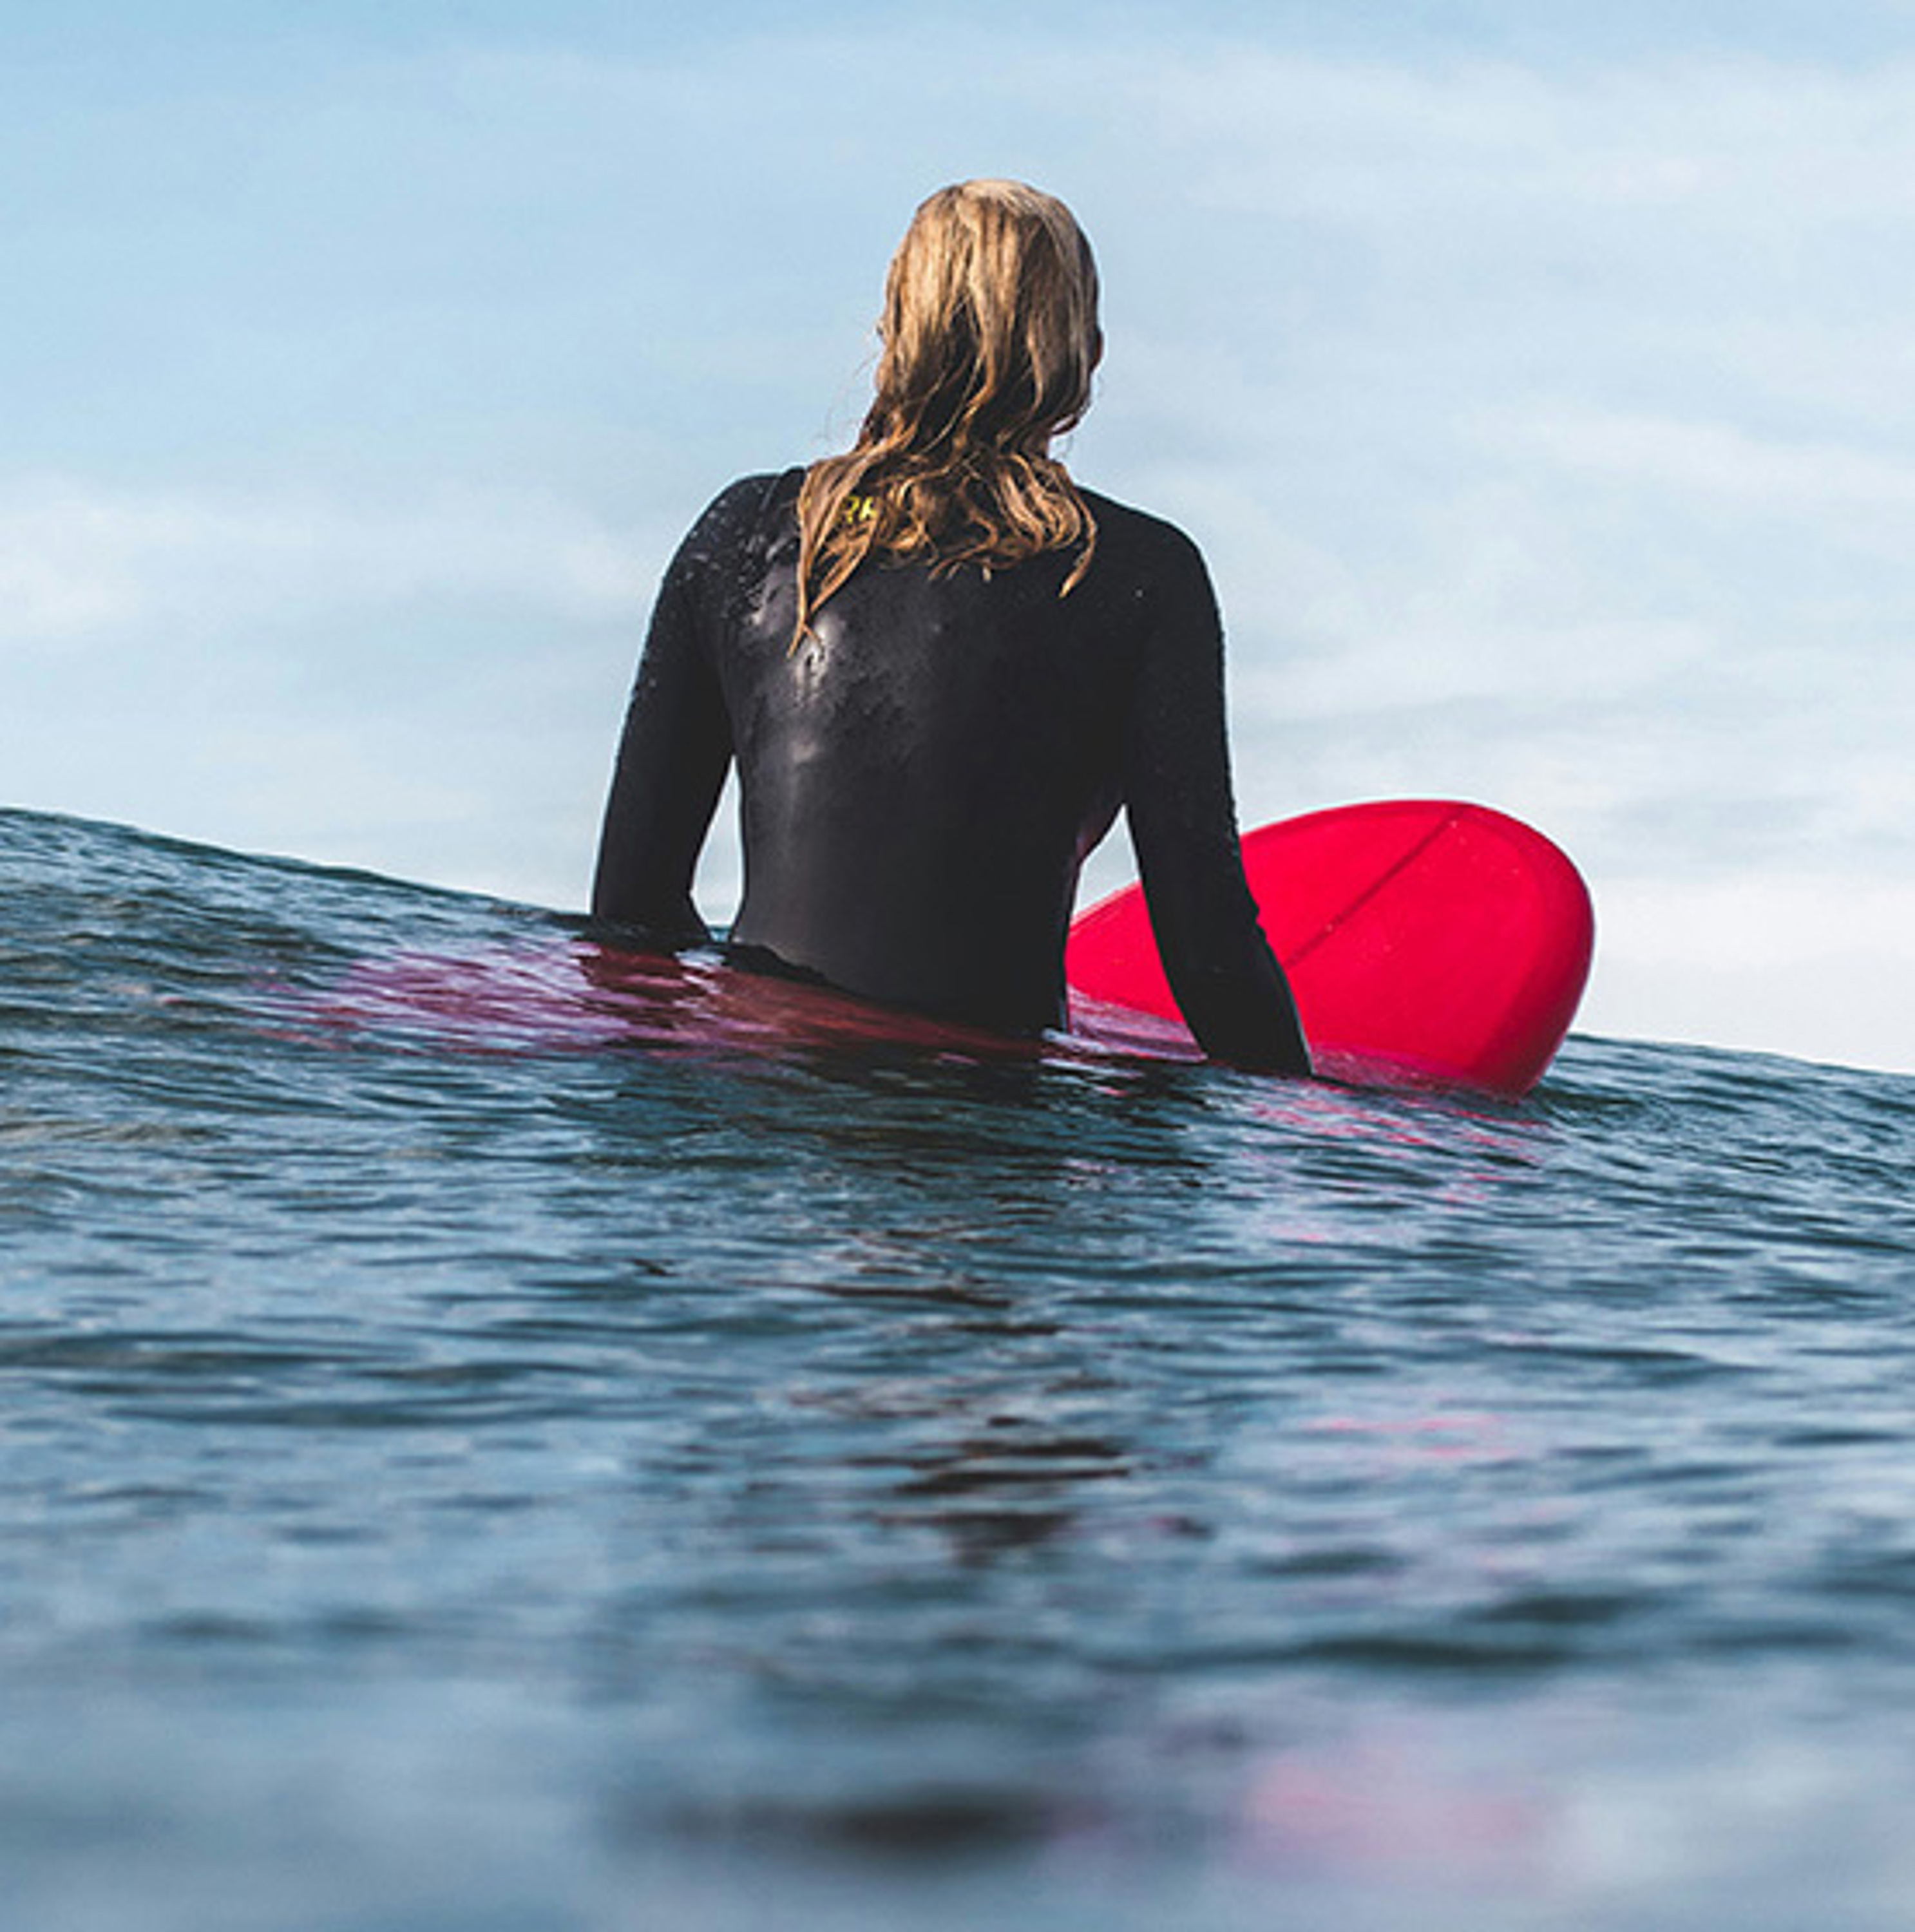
(989,337)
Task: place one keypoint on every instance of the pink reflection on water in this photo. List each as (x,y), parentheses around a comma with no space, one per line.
(1379,1807)
(1446,1437)
(577,995)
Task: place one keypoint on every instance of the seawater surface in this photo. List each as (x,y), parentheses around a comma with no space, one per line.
(499,1465)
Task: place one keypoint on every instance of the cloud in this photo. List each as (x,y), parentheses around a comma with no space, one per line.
(78,562)
(1717,960)
(1858,496)
(343,681)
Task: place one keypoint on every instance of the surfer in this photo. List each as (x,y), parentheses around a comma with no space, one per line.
(942,667)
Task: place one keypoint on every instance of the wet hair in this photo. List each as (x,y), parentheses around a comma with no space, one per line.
(989,337)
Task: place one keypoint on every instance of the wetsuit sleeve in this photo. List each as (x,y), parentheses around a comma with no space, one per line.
(1227,982)
(672,755)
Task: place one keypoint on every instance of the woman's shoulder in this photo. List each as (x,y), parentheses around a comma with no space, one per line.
(746,514)
(751,498)
(1129,536)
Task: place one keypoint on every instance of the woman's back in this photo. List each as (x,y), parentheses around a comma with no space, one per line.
(923,776)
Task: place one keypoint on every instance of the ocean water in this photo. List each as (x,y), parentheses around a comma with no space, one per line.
(483,1448)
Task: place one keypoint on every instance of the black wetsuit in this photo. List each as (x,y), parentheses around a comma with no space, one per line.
(922,779)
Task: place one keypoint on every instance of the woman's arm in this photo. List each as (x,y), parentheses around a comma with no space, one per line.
(672,757)
(1227,982)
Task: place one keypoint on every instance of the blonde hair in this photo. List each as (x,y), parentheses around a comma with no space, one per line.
(989,337)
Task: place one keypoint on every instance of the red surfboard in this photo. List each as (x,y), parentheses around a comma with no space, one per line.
(1427,941)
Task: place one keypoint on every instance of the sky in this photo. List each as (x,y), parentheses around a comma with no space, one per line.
(1539,380)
